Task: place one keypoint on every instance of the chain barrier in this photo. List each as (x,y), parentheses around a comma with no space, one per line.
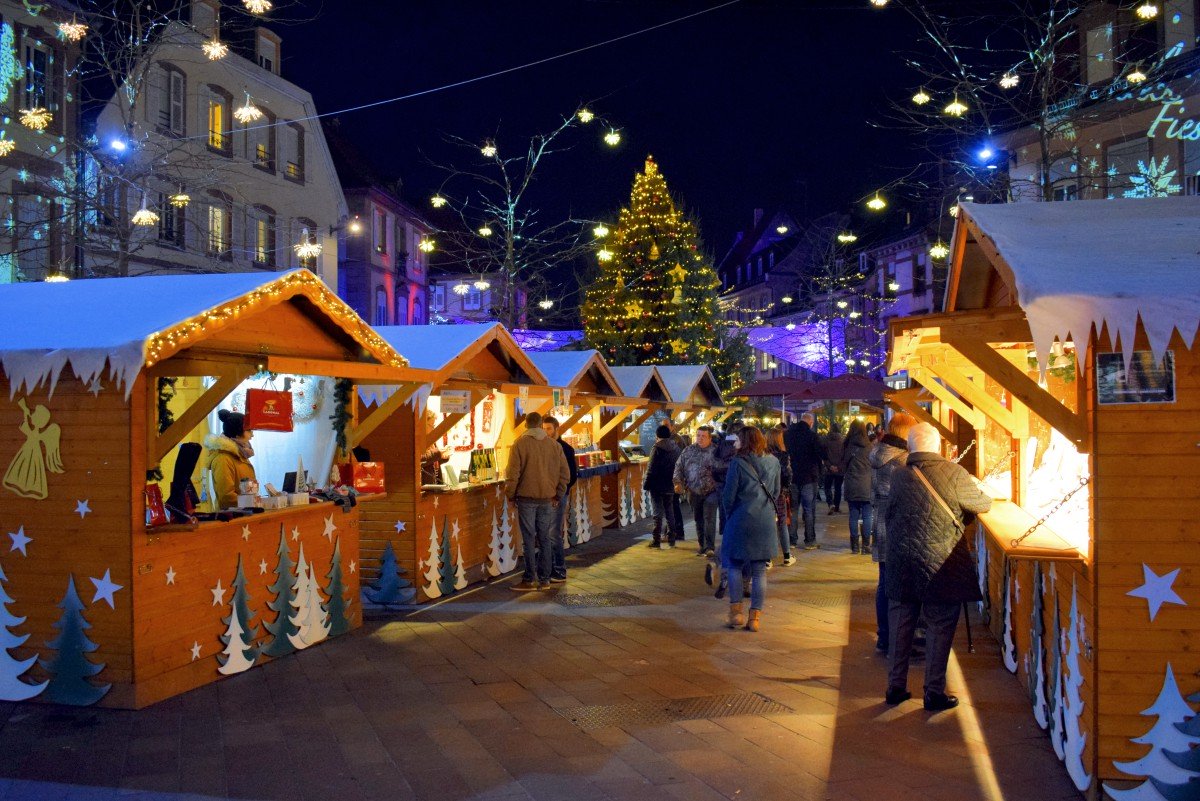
(959,458)
(998,468)
(1083,482)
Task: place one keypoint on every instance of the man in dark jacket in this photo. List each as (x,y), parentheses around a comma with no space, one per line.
(558,556)
(682,442)
(930,570)
(661,486)
(536,479)
(804,451)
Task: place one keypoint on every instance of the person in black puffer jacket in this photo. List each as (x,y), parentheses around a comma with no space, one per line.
(931,571)
(804,451)
(661,486)
(833,449)
(856,468)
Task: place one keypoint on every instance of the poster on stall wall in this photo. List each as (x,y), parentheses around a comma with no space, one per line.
(1144,381)
(455,401)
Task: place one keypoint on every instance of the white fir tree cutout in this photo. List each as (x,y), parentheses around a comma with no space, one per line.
(11,670)
(502,557)
(1074,740)
(309,618)
(432,572)
(1164,736)
(583,515)
(1008,648)
(460,574)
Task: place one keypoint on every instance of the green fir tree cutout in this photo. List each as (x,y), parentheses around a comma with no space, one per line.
(238,639)
(284,590)
(446,570)
(70,669)
(336,590)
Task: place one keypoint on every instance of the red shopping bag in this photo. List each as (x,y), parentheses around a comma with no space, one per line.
(268,410)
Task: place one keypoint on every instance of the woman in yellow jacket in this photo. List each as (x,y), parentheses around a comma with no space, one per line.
(229,458)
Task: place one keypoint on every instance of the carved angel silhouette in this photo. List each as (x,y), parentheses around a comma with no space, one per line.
(26,474)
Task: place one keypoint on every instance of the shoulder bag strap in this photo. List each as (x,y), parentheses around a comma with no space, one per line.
(938,497)
(757,477)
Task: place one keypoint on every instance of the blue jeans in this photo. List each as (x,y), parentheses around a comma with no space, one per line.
(805,496)
(860,513)
(704,510)
(758,583)
(536,519)
(881,606)
(558,560)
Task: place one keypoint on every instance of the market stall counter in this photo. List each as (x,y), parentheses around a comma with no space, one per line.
(1074,382)
(125,595)
(445,522)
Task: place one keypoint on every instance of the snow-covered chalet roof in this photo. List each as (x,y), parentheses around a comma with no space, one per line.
(641,382)
(564,369)
(131,323)
(1090,262)
(685,381)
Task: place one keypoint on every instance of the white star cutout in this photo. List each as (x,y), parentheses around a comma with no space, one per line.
(218,594)
(353,566)
(170,575)
(435,501)
(195,651)
(262,567)
(82,509)
(400,526)
(295,534)
(19,540)
(95,387)
(454,529)
(246,533)
(1157,590)
(105,587)
(329,528)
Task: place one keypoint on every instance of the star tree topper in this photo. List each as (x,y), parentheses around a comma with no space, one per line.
(1157,590)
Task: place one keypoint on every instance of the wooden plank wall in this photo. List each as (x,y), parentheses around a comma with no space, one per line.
(393,518)
(95,450)
(1146,497)
(473,512)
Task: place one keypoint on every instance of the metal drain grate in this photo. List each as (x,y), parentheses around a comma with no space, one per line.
(599,600)
(649,713)
(826,601)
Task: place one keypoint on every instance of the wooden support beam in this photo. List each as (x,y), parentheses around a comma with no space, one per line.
(450,421)
(906,399)
(976,395)
(616,421)
(161,444)
(634,426)
(928,379)
(542,406)
(586,405)
(725,415)
(686,421)
(363,429)
(1071,425)
(358,371)
(201,366)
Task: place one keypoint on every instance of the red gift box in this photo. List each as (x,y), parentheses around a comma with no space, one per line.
(363,476)
(268,410)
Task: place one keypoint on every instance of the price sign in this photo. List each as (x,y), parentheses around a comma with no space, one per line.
(455,401)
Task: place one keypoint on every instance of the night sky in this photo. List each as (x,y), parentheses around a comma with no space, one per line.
(763,103)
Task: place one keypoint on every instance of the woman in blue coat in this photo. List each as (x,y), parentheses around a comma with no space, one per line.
(748,498)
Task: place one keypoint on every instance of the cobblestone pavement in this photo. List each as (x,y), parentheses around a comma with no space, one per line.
(474,698)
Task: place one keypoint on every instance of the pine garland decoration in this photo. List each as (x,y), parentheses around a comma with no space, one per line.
(341,410)
(166,392)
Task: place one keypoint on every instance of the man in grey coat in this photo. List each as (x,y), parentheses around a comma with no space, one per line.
(930,569)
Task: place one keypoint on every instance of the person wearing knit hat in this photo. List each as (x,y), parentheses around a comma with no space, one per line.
(229,458)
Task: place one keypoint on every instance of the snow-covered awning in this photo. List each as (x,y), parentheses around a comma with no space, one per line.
(1079,264)
(691,383)
(566,369)
(641,382)
(131,323)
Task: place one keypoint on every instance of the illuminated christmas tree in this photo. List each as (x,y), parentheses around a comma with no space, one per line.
(655,299)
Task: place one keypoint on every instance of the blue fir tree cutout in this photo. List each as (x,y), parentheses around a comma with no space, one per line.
(1166,776)
(336,590)
(284,590)
(390,587)
(11,686)
(447,573)
(70,669)
(238,639)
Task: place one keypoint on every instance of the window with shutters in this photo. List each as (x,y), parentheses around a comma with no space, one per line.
(219,117)
(380,231)
(293,151)
(219,231)
(41,78)
(171,221)
(260,141)
(262,236)
(1191,167)
(381,307)
(307,262)
(168,97)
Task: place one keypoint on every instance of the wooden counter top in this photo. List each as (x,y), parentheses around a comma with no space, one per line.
(269,514)
(1006,522)
(442,489)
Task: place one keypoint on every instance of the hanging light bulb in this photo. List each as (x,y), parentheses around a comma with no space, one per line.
(1147,10)
(489,149)
(585,116)
(894,286)
(954,210)
(846,238)
(73,30)
(879,3)
(425,245)
(483,285)
(956,108)
(248,113)
(355,225)
(600,231)
(790,326)
(144,216)
(612,138)
(462,288)
(485,230)
(308,247)
(877,203)
(257,6)
(437,201)
(56,278)
(939,250)
(1137,76)
(1009,80)
(921,98)
(7,146)
(180,199)
(841,304)
(37,118)
(781,229)
(547,303)
(787,299)
(215,49)
(604,254)
(855,315)
(850,362)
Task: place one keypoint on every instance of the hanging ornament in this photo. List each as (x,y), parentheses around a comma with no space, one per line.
(7,146)
(179,200)
(426,245)
(485,230)
(600,231)
(846,238)
(144,216)
(1009,80)
(956,108)
(1137,76)
(437,201)
(677,298)
(678,274)
(257,6)
(604,254)
(648,347)
(877,203)
(1147,10)
(939,250)
(72,31)
(585,116)
(655,254)
(37,118)
(489,150)
(308,247)
(248,113)
(612,138)
(215,49)
(921,98)
(482,285)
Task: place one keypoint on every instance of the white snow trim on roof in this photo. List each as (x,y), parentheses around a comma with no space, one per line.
(1101,262)
(27,370)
